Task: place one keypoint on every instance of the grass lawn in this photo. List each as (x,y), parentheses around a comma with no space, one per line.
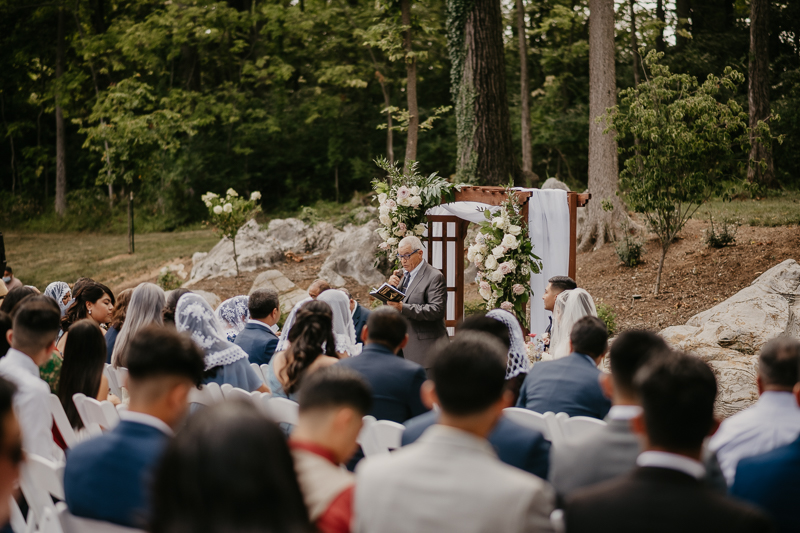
(779,210)
(40,258)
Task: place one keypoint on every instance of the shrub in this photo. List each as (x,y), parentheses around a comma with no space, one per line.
(629,250)
(169,280)
(724,234)
(606,313)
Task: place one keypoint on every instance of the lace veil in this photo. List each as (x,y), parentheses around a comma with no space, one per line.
(193,314)
(283,341)
(570,307)
(517,355)
(57,290)
(233,315)
(343,330)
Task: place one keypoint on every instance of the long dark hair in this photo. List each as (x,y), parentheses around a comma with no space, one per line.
(14,297)
(172,303)
(84,357)
(120,308)
(313,327)
(89,292)
(229,470)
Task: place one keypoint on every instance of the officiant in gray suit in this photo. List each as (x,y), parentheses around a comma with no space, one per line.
(425,303)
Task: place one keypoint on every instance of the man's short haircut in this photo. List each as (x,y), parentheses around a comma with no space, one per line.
(262,303)
(589,336)
(9,269)
(677,394)
(321,284)
(36,323)
(778,362)
(469,373)
(482,323)
(412,241)
(387,326)
(562,283)
(630,351)
(334,387)
(157,351)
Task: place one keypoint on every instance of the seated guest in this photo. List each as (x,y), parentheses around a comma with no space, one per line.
(359,313)
(332,405)
(233,314)
(770,481)
(168,313)
(61,293)
(224,361)
(571,384)
(90,300)
(229,470)
(555,286)
(117,320)
(518,362)
(11,456)
(311,347)
(451,479)
(32,338)
(145,307)
(664,492)
(516,445)
(5,325)
(317,287)
(257,338)
(50,370)
(108,477)
(10,280)
(343,329)
(774,420)
(395,382)
(14,297)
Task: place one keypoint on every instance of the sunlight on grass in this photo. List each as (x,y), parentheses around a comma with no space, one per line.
(780,210)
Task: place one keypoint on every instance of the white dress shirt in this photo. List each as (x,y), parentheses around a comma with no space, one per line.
(260,323)
(411,275)
(673,461)
(624,412)
(772,422)
(31,403)
(147,420)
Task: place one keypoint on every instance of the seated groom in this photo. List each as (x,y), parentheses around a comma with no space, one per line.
(108,477)
(571,384)
(555,286)
(425,303)
(451,480)
(359,313)
(257,338)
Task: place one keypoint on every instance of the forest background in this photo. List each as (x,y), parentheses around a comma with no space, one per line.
(289,97)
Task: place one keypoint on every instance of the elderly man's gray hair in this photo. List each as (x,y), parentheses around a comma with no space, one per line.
(411,241)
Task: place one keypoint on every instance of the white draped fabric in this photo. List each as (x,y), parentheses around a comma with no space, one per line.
(548,229)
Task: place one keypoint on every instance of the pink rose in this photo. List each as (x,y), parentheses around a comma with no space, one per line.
(507,306)
(403,192)
(391,204)
(506,268)
(518,289)
(384,246)
(401,227)
(485,285)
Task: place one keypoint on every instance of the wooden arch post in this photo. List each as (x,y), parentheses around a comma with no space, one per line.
(446,233)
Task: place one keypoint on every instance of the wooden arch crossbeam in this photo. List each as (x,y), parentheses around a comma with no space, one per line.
(448,233)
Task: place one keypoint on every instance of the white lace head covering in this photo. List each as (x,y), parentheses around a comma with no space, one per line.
(283,341)
(570,307)
(517,355)
(343,330)
(193,314)
(233,315)
(57,291)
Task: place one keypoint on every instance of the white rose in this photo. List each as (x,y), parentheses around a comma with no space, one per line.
(384,233)
(491,262)
(227,208)
(384,210)
(207,202)
(414,201)
(392,241)
(498,222)
(498,251)
(217,209)
(509,241)
(471,254)
(385,220)
(497,276)
(231,192)
(405,202)
(514,230)
(485,293)
(255,196)
(414,190)
(382,198)
(478,259)
(419,229)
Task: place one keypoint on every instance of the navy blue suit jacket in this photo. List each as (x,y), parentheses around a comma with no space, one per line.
(516,445)
(395,382)
(108,478)
(259,342)
(772,482)
(567,385)
(360,316)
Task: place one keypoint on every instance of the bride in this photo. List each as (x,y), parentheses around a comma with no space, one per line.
(570,307)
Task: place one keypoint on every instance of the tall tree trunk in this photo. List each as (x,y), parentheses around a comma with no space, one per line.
(14,178)
(130,225)
(634,44)
(387,102)
(601,226)
(759,91)
(525,94)
(485,148)
(662,18)
(683,12)
(61,156)
(411,88)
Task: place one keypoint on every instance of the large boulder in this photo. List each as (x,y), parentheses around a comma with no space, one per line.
(730,335)
(554,183)
(288,293)
(354,256)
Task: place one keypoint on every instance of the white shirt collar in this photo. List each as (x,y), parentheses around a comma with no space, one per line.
(22,360)
(258,323)
(414,272)
(673,461)
(353,312)
(624,412)
(147,420)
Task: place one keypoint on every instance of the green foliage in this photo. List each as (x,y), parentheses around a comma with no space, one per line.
(168,280)
(724,234)
(629,251)
(229,213)
(607,314)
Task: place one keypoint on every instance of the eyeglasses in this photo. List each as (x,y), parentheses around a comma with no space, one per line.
(406,256)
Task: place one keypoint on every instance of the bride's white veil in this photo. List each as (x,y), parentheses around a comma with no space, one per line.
(343,330)
(570,307)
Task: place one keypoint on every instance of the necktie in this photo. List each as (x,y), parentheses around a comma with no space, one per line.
(404,283)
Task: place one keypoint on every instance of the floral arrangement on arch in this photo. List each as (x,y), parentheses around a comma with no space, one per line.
(403,200)
(504,257)
(229,213)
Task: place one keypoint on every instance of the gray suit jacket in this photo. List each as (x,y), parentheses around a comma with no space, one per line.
(424,306)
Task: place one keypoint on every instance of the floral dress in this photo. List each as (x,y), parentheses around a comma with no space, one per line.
(51,371)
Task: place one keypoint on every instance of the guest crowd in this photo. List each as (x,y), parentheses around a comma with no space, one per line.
(660,462)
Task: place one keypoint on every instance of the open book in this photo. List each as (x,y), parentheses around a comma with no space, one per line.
(387,293)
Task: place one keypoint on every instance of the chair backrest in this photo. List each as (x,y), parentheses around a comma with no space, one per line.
(62,422)
(122,378)
(75,524)
(577,427)
(257,368)
(380,436)
(529,419)
(92,427)
(16,520)
(41,480)
(265,374)
(102,413)
(208,394)
(281,410)
(229,392)
(111,377)
(50,523)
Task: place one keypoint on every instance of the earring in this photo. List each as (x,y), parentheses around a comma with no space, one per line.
(90,311)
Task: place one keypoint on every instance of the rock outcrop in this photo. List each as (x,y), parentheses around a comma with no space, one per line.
(288,293)
(354,257)
(730,335)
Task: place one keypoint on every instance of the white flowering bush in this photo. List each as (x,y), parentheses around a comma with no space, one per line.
(229,213)
(402,205)
(504,257)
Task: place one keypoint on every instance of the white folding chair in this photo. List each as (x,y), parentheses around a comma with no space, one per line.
(208,394)
(229,392)
(40,480)
(122,378)
(258,371)
(75,524)
(577,427)
(555,421)
(529,419)
(92,428)
(265,371)
(102,413)
(380,436)
(50,523)
(113,384)
(281,410)
(62,422)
